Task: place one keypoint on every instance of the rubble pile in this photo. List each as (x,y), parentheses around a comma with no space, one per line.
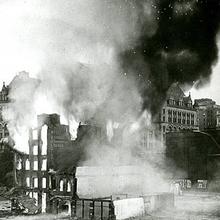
(23,204)
(14,202)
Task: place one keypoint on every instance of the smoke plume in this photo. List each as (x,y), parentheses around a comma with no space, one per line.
(183,48)
(80,76)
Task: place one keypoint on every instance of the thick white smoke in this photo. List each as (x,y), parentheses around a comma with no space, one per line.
(76,45)
(80,76)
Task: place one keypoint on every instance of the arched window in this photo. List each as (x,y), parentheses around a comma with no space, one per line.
(61,185)
(68,186)
(19,164)
(35,150)
(36,165)
(27,164)
(35,182)
(44,182)
(44,165)
(44,139)
(28,181)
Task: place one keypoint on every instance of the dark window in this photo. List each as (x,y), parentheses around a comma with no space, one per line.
(164,128)
(6,133)
(53,182)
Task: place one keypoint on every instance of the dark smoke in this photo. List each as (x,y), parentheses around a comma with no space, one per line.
(183,48)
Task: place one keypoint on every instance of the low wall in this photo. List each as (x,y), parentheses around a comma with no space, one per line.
(158,201)
(127,208)
(120,209)
(117,179)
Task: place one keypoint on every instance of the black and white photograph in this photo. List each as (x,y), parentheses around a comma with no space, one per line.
(110,109)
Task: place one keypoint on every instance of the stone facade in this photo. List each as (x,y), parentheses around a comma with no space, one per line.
(178,112)
(208,114)
(4,101)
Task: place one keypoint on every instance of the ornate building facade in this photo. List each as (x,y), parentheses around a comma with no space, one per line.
(178,112)
(4,101)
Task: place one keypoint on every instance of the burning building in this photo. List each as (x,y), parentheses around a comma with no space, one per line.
(4,100)
(39,174)
(48,173)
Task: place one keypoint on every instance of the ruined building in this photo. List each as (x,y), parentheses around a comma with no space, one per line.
(39,173)
(47,172)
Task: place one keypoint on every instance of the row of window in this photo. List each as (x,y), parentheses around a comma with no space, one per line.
(43,150)
(4,134)
(180,121)
(3,97)
(43,139)
(35,165)
(179,113)
(34,184)
(178,103)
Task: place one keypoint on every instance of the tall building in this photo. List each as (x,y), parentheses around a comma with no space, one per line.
(4,101)
(178,112)
(22,78)
(208,114)
(40,173)
(47,172)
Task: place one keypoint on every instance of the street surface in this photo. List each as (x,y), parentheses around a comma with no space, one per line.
(192,206)
(189,206)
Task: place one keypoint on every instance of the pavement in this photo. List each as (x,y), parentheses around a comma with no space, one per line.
(191,206)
